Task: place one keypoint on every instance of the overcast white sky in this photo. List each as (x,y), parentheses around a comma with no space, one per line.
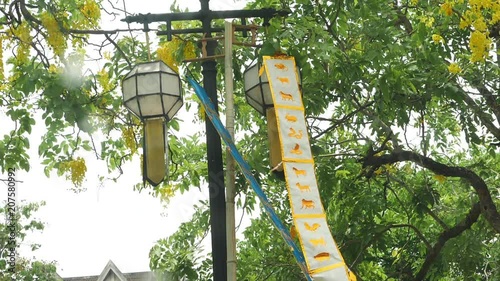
(110,222)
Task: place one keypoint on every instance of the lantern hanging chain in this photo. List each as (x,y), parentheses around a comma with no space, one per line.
(148,45)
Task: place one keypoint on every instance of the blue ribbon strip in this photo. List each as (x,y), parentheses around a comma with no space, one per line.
(224,134)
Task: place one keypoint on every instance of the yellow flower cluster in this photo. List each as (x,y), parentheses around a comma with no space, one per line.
(454,68)
(439,178)
(22,32)
(54,69)
(480,25)
(189,50)
(129,138)
(479,15)
(447,8)
(437,38)
(495,18)
(479,4)
(92,13)
(103,79)
(166,53)
(166,192)
(55,37)
(169,52)
(76,169)
(479,44)
(427,20)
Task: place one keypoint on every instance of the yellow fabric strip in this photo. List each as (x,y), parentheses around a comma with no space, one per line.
(310,216)
(290,107)
(299,160)
(326,268)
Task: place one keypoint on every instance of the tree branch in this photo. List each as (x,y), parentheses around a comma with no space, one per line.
(446,235)
(384,230)
(426,209)
(119,50)
(348,116)
(488,207)
(27,14)
(491,101)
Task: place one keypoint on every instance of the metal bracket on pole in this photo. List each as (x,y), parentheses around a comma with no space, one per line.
(244,28)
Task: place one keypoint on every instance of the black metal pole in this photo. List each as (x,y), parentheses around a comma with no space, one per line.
(216,185)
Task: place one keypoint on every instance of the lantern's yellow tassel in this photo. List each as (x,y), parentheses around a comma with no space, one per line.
(154,151)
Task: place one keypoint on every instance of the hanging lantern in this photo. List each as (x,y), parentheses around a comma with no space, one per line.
(152,92)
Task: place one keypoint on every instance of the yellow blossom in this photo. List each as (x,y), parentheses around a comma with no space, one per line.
(129,138)
(479,44)
(466,19)
(55,37)
(107,55)
(463,24)
(92,12)
(75,170)
(480,25)
(166,53)
(440,178)
(437,38)
(103,79)
(495,17)
(53,69)
(454,68)
(189,51)
(22,32)
(166,192)
(447,8)
(201,112)
(478,4)
(427,20)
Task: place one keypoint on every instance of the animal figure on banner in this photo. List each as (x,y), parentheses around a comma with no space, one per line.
(284,80)
(306,204)
(286,96)
(290,118)
(281,66)
(299,172)
(294,134)
(318,242)
(312,227)
(323,256)
(303,188)
(296,149)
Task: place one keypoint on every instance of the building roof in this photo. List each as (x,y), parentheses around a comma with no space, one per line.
(112,273)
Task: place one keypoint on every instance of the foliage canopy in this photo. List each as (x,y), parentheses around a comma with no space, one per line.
(19,227)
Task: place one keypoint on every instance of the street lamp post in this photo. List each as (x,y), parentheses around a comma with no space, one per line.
(214,151)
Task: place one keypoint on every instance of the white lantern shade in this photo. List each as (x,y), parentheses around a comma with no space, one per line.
(257,90)
(152,90)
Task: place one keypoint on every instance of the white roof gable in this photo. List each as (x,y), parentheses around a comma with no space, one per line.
(111,268)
